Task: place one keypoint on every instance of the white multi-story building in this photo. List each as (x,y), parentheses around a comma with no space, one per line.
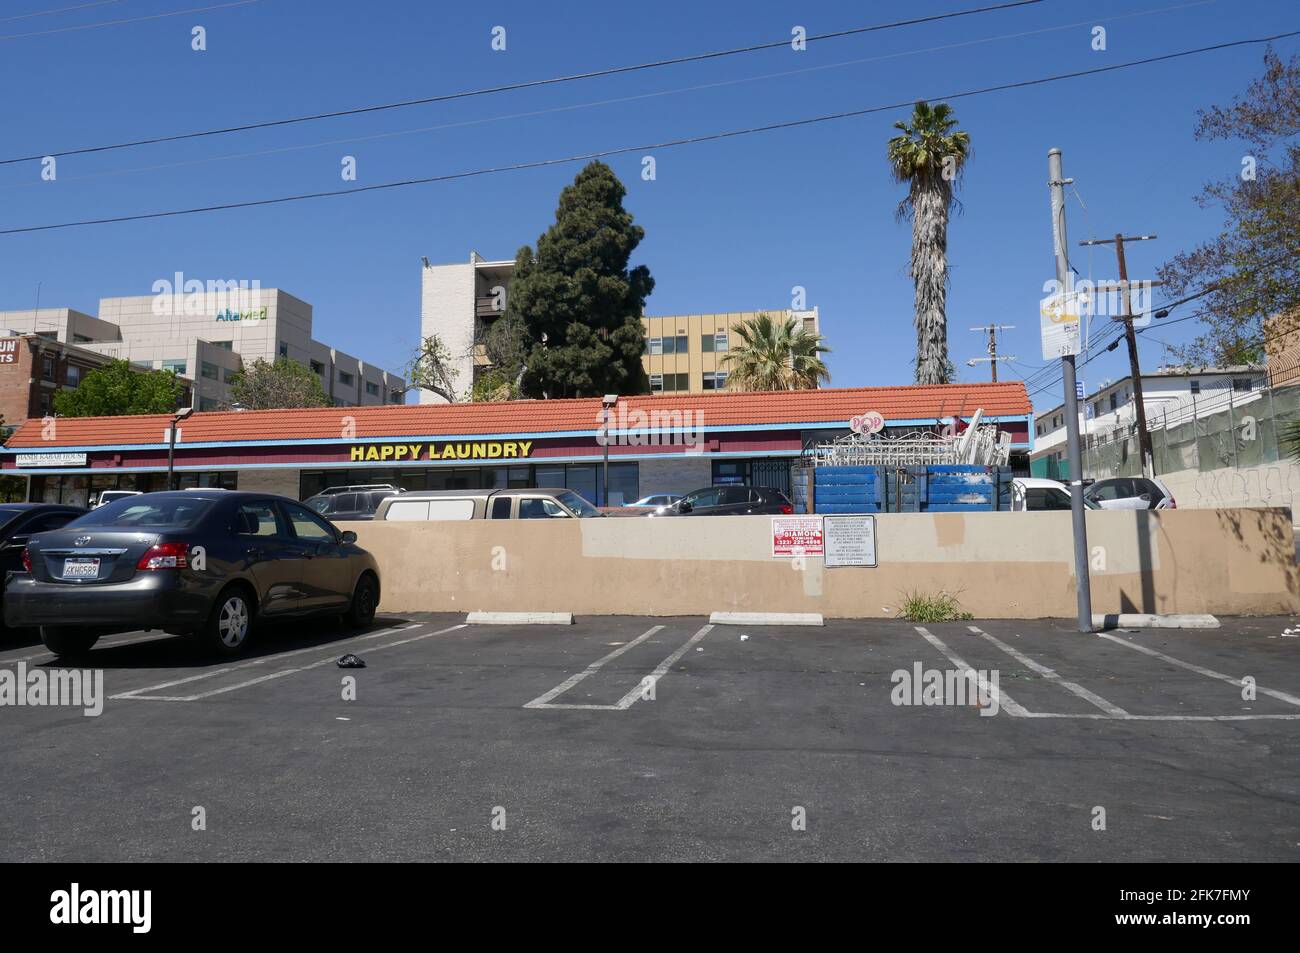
(684,353)
(1170,396)
(207,337)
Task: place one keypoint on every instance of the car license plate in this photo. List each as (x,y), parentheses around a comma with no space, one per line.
(81,567)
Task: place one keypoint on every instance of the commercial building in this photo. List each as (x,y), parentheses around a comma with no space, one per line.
(684,353)
(34,368)
(207,335)
(1170,395)
(656,443)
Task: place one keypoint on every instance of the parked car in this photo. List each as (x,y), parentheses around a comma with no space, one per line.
(205,562)
(1034,494)
(730,500)
(654,501)
(517,504)
(358,488)
(349,506)
(108,496)
(18,521)
(1130,493)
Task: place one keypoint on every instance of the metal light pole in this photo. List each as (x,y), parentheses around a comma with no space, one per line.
(1056,181)
(608,401)
(171,445)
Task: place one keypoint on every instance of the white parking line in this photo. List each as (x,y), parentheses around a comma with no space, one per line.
(1004,700)
(1207,672)
(628,700)
(128,639)
(212,673)
(1050,675)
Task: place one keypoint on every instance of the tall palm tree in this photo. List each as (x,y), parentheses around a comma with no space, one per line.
(929,156)
(775,355)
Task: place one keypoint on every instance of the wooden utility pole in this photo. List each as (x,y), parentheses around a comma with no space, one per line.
(992,330)
(1134,368)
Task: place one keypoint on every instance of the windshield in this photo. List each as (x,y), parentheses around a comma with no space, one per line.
(148,511)
(576,503)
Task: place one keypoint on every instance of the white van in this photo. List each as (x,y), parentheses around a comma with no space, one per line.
(517,504)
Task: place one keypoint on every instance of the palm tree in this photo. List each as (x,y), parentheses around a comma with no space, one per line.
(775,355)
(929,156)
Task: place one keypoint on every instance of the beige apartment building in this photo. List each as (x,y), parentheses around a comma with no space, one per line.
(206,336)
(684,353)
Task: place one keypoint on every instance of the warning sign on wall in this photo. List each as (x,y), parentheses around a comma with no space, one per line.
(797,536)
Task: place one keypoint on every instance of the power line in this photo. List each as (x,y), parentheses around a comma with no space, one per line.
(692,140)
(47,13)
(636,97)
(151,16)
(530,84)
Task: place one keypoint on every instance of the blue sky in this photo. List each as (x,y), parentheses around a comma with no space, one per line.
(732,225)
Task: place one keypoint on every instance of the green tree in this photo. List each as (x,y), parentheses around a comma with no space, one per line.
(775,355)
(431,367)
(928,156)
(265,386)
(576,304)
(1252,267)
(116,389)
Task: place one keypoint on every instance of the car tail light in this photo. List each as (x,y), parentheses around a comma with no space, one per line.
(165,556)
(786,509)
(27,560)
(1173,504)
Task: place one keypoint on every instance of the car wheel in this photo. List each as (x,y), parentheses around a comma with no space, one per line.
(231,622)
(68,642)
(365,599)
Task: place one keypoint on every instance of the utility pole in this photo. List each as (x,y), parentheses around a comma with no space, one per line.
(992,330)
(1134,367)
(1083,587)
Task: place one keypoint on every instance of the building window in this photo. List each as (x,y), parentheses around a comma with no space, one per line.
(656,383)
(209,371)
(47,368)
(81,339)
(674,382)
(47,405)
(372,388)
(396,397)
(229,374)
(720,341)
(1114,401)
(176,367)
(1242,385)
(655,345)
(74,375)
(227,345)
(284,349)
(706,343)
(317,367)
(207,403)
(715,380)
(1195,386)
(670,345)
(345,378)
(683,344)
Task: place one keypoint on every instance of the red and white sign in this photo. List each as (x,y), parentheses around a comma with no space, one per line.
(870,422)
(797,536)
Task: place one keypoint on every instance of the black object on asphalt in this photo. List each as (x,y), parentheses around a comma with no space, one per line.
(351,661)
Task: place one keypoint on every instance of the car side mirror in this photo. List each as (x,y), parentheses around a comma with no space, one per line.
(348,536)
(685,506)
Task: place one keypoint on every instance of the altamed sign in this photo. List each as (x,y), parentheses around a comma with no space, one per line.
(443,450)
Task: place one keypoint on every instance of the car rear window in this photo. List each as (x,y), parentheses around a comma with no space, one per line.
(140,511)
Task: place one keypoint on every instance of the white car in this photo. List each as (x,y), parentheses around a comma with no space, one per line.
(655,500)
(1131,493)
(108,496)
(1034,494)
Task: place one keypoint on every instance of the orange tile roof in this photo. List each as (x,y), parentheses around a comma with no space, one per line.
(719,410)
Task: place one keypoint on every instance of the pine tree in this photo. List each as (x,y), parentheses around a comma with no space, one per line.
(575,301)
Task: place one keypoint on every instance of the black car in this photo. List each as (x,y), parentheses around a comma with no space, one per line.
(731,500)
(206,562)
(359,505)
(18,521)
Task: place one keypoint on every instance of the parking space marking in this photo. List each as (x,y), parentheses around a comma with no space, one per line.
(1052,676)
(136,692)
(1004,700)
(128,639)
(541,701)
(1207,672)
(629,699)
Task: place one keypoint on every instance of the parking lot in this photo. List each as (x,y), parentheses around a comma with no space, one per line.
(636,739)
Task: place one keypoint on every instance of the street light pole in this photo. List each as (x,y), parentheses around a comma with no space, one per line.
(171,445)
(1083,587)
(608,401)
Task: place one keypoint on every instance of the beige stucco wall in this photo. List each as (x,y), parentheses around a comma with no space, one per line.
(1001,565)
(1267,484)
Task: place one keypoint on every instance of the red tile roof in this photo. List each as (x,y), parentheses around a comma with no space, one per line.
(725,409)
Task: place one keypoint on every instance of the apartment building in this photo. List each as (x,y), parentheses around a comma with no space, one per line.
(1170,396)
(684,354)
(207,337)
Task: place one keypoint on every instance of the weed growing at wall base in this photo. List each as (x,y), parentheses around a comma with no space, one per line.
(920,606)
